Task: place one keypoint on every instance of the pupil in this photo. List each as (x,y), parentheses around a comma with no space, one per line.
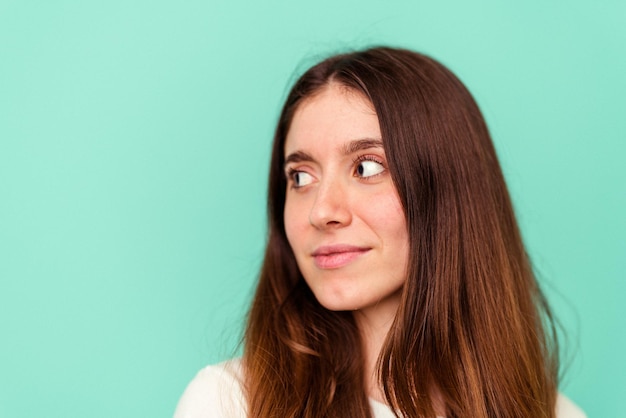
(360,169)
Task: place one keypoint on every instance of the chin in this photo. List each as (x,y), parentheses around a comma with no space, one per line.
(337,302)
(337,306)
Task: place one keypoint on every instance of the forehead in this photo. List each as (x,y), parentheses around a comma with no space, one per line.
(332,116)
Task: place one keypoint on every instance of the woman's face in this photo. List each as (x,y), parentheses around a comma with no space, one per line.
(343,217)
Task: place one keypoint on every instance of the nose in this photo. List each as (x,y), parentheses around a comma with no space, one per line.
(331,207)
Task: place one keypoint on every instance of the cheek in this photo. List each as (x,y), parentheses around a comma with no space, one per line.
(293,223)
(386,216)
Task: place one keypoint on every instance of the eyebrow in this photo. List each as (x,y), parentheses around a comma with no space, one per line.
(362,144)
(297,157)
(349,148)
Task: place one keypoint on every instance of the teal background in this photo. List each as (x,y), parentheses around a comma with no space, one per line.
(134,145)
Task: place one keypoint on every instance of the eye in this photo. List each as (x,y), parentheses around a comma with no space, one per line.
(368,167)
(300,178)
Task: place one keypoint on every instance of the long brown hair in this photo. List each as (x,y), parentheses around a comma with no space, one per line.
(472,326)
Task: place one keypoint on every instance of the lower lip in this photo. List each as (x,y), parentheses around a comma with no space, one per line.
(337,260)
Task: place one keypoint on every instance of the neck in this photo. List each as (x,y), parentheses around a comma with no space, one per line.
(374,323)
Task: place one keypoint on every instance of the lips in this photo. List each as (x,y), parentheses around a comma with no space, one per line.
(336,256)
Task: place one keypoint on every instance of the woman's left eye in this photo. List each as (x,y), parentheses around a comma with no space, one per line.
(369,168)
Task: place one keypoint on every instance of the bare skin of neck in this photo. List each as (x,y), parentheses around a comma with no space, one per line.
(374,324)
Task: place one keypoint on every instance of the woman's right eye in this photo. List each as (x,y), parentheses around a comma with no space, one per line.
(300,178)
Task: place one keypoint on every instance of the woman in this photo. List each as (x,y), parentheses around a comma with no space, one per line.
(395,281)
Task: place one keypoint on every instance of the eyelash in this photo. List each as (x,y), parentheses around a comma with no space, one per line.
(369,157)
(355,161)
(289,175)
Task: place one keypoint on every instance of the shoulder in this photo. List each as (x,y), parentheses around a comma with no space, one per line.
(565,408)
(215,392)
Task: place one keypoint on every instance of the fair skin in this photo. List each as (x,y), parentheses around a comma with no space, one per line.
(343,217)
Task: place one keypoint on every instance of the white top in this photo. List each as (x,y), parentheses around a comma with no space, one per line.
(216,392)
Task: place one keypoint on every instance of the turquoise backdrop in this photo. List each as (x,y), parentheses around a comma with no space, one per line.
(134,144)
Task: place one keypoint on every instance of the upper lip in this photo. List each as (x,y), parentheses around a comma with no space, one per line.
(338,248)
